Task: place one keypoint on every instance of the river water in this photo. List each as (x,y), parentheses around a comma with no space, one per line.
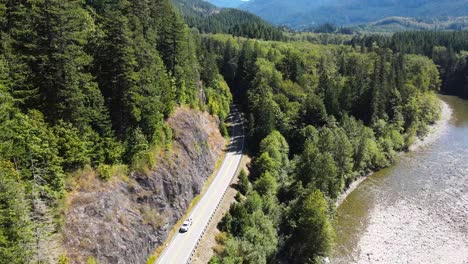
(415,211)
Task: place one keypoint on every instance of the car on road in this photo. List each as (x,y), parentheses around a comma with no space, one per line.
(186,225)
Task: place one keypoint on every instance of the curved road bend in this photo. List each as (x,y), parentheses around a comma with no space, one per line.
(180,248)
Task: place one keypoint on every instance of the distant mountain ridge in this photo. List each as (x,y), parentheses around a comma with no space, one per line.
(396,24)
(304,13)
(227,3)
(208,18)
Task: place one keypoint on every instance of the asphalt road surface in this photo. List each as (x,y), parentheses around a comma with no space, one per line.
(183,244)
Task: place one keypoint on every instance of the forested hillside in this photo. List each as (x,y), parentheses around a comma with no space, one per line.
(207,18)
(303,13)
(91,87)
(449,50)
(399,24)
(87,84)
(319,116)
(227,3)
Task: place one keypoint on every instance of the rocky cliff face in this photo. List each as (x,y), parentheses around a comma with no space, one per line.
(123,221)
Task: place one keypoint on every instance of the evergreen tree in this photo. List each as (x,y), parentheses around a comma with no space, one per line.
(177,50)
(115,64)
(59,64)
(17,34)
(244,183)
(245,72)
(16,234)
(319,170)
(312,233)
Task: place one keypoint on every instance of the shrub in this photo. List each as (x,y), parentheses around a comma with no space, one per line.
(152,217)
(152,259)
(238,197)
(221,237)
(63,259)
(244,183)
(214,259)
(223,129)
(105,171)
(144,161)
(91,260)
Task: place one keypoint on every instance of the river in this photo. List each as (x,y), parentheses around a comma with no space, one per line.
(415,211)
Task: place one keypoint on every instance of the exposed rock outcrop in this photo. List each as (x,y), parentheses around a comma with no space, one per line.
(123,221)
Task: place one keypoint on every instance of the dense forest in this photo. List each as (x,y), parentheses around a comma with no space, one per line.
(227,3)
(447,49)
(207,18)
(87,83)
(400,24)
(319,116)
(90,84)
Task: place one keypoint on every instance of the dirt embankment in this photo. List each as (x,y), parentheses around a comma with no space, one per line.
(124,220)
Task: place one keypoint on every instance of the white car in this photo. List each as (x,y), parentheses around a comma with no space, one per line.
(186,225)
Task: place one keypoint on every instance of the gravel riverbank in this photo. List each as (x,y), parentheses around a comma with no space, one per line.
(417,210)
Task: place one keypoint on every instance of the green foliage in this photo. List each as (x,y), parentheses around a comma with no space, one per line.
(254,202)
(144,161)
(209,19)
(219,97)
(64,259)
(244,183)
(256,244)
(223,129)
(264,111)
(421,110)
(319,170)
(105,171)
(58,63)
(238,197)
(16,229)
(266,184)
(30,144)
(422,73)
(277,148)
(445,48)
(339,112)
(313,111)
(213,260)
(311,231)
(89,84)
(264,164)
(152,259)
(72,148)
(91,260)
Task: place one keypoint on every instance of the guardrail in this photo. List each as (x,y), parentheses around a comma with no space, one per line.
(192,254)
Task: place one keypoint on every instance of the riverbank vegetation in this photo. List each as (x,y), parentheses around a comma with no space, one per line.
(89,85)
(319,116)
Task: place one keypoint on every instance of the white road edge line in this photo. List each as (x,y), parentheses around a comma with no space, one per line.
(232,157)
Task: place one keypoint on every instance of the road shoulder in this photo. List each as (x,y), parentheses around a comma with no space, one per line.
(205,251)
